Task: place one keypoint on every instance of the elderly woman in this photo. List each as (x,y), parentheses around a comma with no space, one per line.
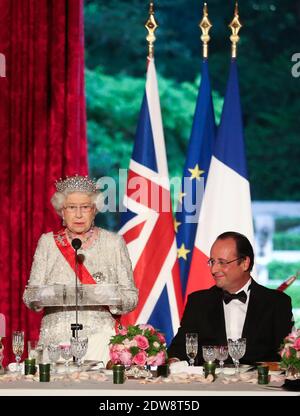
(104,257)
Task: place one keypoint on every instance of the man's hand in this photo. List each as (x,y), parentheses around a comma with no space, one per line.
(173,360)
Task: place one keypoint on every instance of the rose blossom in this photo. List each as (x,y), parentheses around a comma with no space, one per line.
(114,354)
(117,347)
(161,338)
(151,360)
(156,344)
(157,359)
(141,342)
(140,358)
(297,344)
(288,345)
(147,326)
(123,331)
(125,357)
(130,343)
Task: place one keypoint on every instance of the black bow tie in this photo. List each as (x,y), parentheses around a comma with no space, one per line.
(227,297)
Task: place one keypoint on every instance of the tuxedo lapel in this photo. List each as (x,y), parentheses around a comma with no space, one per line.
(254,311)
(218,317)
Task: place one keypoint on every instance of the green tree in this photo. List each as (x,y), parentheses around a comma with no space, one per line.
(115,40)
(113,105)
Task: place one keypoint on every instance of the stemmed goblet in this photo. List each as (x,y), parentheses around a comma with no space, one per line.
(79,347)
(191,346)
(237,349)
(18,347)
(221,355)
(209,353)
(54,354)
(66,353)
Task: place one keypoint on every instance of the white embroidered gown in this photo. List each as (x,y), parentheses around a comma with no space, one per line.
(107,260)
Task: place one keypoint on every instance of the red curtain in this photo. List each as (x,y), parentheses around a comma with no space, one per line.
(42,136)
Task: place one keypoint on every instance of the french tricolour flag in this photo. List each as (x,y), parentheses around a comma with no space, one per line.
(147,225)
(226,203)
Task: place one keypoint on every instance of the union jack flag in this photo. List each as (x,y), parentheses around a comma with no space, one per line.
(147,223)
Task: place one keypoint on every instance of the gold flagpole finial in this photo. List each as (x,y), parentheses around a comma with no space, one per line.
(151,26)
(235,27)
(205,26)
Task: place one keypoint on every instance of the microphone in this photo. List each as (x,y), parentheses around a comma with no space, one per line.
(76,243)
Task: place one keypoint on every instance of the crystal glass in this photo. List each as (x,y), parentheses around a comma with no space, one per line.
(209,353)
(191,346)
(39,353)
(54,354)
(237,349)
(66,353)
(221,352)
(18,347)
(79,348)
(33,346)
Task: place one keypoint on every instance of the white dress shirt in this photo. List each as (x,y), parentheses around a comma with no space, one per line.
(235,314)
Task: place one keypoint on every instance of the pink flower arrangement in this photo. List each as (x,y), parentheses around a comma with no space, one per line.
(138,345)
(290,351)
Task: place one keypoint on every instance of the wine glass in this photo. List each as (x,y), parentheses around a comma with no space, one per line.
(79,348)
(221,352)
(191,346)
(18,347)
(209,353)
(237,349)
(32,348)
(54,354)
(66,353)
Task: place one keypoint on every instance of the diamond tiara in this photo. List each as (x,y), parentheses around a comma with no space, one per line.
(76,184)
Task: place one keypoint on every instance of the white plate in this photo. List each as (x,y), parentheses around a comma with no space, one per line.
(107,372)
(194,370)
(87,365)
(275,372)
(228,371)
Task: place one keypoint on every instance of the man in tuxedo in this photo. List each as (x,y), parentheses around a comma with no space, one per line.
(236,306)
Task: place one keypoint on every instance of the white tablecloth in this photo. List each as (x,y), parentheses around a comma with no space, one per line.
(134,388)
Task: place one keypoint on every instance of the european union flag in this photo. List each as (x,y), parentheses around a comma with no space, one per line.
(194,175)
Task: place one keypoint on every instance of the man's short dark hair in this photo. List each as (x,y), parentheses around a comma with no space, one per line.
(243,245)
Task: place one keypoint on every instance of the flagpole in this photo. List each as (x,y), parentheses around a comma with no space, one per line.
(151,26)
(147,222)
(205,26)
(195,172)
(235,26)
